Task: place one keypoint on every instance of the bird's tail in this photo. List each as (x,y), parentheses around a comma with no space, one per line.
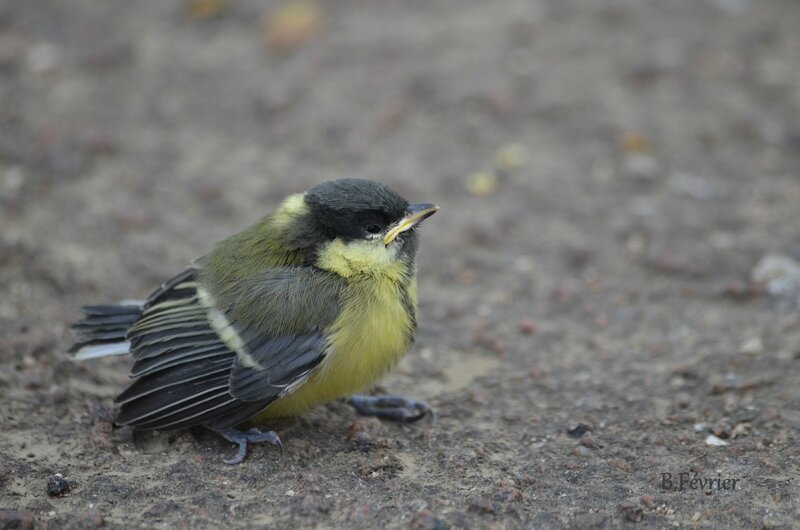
(102,332)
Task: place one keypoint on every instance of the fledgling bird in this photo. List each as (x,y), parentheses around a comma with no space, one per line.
(314,302)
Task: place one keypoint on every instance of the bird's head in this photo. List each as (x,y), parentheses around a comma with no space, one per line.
(353,226)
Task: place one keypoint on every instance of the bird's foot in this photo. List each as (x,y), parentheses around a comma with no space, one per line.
(251,436)
(396,408)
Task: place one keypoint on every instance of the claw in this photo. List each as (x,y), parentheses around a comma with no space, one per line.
(243,438)
(397,408)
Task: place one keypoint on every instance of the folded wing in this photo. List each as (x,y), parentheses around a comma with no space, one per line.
(202,359)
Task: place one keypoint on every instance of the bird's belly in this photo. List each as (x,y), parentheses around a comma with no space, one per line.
(374,330)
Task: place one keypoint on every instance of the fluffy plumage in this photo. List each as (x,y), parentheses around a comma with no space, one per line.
(307,305)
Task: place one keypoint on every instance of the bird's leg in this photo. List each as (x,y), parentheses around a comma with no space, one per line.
(397,408)
(244,437)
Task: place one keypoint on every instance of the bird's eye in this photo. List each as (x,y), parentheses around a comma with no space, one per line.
(373,229)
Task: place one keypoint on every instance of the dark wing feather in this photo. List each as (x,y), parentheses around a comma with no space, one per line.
(188,375)
(271,368)
(174,376)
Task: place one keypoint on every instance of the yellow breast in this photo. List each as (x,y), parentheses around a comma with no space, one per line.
(373,331)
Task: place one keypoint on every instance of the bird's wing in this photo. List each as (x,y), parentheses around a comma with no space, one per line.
(217,357)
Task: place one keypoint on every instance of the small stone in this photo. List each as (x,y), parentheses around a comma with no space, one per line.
(715,441)
(648,500)
(780,275)
(57,485)
(577,430)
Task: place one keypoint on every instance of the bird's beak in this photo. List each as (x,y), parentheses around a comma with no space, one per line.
(416,214)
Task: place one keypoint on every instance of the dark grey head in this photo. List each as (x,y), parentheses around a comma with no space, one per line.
(355,209)
(354,218)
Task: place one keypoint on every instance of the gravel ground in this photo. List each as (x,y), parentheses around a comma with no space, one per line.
(596,306)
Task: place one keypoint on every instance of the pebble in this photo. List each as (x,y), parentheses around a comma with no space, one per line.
(577,430)
(715,441)
(780,274)
(57,485)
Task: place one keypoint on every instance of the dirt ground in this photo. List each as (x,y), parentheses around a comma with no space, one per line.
(610,175)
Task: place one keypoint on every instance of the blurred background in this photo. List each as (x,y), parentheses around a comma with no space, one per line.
(617,251)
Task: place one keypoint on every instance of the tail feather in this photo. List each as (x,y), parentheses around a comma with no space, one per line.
(102,350)
(103,331)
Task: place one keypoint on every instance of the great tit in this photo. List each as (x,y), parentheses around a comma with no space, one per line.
(314,302)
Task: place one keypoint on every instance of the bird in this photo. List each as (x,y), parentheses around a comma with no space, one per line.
(314,302)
